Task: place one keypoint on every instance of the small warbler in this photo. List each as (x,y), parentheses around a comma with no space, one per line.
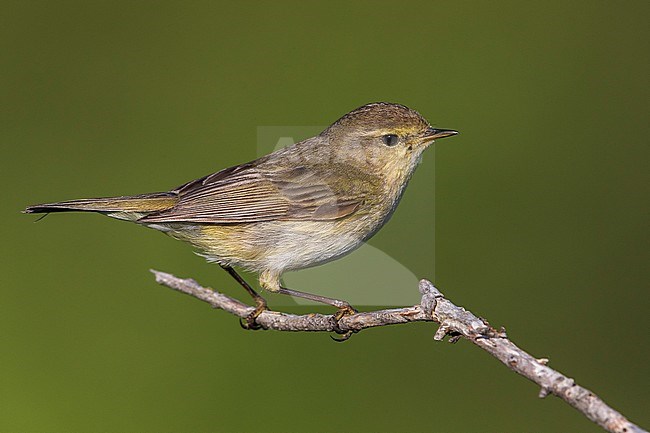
(300,206)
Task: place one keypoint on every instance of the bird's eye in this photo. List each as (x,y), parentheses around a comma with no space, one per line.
(390,139)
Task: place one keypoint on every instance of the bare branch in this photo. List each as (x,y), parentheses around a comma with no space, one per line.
(453,320)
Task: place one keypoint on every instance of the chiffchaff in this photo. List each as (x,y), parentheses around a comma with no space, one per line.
(300,206)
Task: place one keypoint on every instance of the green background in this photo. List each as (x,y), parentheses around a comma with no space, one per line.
(541,210)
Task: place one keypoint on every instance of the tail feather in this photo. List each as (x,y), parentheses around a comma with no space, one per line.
(126,207)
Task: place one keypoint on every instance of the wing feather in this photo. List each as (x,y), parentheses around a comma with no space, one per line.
(250,193)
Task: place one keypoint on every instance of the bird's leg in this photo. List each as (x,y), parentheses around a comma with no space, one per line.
(344,308)
(260,303)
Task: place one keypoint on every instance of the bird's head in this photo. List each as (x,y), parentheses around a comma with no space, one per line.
(384,135)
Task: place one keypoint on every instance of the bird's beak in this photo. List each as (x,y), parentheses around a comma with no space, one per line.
(435,133)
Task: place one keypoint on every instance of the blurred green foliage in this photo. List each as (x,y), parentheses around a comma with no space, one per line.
(541,210)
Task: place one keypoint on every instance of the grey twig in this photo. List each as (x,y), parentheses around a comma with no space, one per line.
(453,320)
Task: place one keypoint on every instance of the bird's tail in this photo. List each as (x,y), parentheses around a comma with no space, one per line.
(129,208)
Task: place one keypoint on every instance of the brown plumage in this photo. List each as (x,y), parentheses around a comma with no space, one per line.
(122,207)
(300,206)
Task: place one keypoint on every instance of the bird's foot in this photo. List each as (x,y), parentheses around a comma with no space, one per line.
(345,310)
(250,322)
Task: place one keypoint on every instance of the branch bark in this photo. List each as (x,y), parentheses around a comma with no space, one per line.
(454,321)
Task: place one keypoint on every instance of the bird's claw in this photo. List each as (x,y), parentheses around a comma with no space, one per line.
(346,310)
(250,322)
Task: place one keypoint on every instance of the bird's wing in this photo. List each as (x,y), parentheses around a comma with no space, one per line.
(250,193)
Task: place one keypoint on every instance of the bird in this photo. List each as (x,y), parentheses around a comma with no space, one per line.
(300,206)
